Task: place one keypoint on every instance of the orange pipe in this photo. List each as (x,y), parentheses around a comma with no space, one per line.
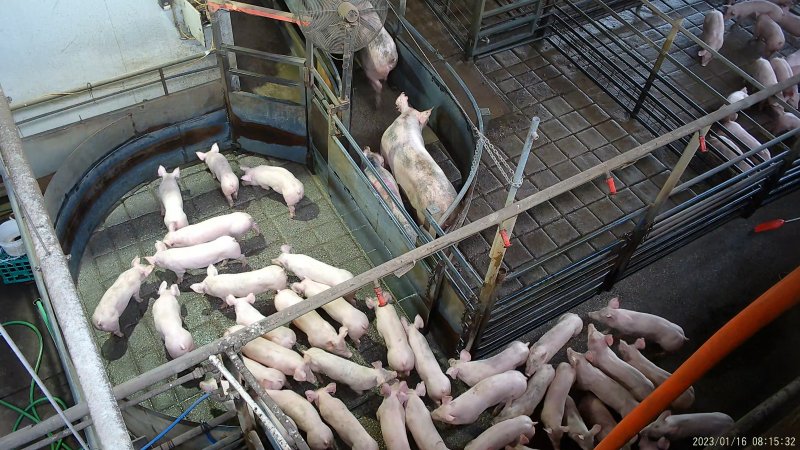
(766,308)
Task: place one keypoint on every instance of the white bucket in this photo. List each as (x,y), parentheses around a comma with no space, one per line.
(10,239)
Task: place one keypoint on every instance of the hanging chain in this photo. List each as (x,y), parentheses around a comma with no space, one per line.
(498,157)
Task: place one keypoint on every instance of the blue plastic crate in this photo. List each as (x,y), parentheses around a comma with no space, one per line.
(15,270)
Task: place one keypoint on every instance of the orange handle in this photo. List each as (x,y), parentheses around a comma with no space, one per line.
(771,304)
(379,294)
(506,240)
(612,187)
(769,225)
(703,148)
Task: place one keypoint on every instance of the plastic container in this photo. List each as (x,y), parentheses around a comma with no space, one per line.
(15,269)
(10,239)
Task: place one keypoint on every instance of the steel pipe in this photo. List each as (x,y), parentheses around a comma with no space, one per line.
(196,431)
(111,431)
(235,340)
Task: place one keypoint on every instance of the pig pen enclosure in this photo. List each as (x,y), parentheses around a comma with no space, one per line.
(343,221)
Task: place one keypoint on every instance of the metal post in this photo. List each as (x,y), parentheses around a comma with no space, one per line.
(474,29)
(80,342)
(487,296)
(347,76)
(676,25)
(223,59)
(163,81)
(308,76)
(646,222)
(772,181)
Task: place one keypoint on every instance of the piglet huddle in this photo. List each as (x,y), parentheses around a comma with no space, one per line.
(199,246)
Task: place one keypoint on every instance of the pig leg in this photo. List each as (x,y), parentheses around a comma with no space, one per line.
(377,86)
(137,296)
(229,199)
(256,229)
(180,276)
(291,211)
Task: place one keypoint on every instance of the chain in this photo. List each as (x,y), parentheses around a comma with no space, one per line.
(497,156)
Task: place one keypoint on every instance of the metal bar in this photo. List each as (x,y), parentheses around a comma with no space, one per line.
(505,26)
(488,294)
(163,81)
(253,10)
(258,54)
(222,60)
(273,432)
(401,262)
(268,78)
(99,84)
(223,443)
(509,7)
(773,181)
(58,279)
(645,223)
(289,426)
(474,28)
(196,431)
(657,66)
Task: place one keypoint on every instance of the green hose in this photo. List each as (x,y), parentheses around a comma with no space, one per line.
(29,412)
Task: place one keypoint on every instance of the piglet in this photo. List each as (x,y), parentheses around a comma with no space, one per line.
(465,409)
(346,314)
(376,161)
(681,426)
(267,377)
(318,435)
(554,401)
(278,179)
(552,341)
(247,315)
(356,376)
(783,71)
(378,59)
(222,171)
(320,333)
(116,298)
(713,35)
(270,278)
(765,74)
(657,329)
(576,428)
(748,9)
(533,395)
(419,422)
(734,97)
(307,267)
(338,415)
(770,33)
(518,430)
(789,22)
(171,200)
(747,139)
(179,260)
(436,382)
(784,121)
(729,150)
(590,378)
(602,357)
(235,224)
(399,353)
(167,319)
(277,357)
(596,414)
(646,444)
(470,372)
(392,416)
(631,354)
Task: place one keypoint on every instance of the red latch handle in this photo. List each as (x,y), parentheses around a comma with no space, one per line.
(703,148)
(769,225)
(379,294)
(612,187)
(506,240)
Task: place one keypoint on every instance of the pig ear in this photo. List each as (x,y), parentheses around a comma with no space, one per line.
(177,172)
(297,288)
(342,334)
(162,287)
(135,262)
(175,291)
(251,298)
(286,248)
(244,168)
(595,429)
(663,443)
(614,303)
(211,271)
(571,356)
(640,344)
(371,302)
(420,389)
(523,439)
(609,339)
(160,247)
(386,390)
(161,171)
(465,356)
(445,401)
(246,177)
(230,300)
(214,148)
(377,365)
(198,287)
(418,322)
(311,396)
(277,262)
(200,155)
(331,388)
(589,355)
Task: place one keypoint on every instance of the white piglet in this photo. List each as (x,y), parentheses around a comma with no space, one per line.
(270,278)
(235,224)
(713,34)
(356,376)
(270,354)
(552,341)
(278,179)
(346,314)
(246,315)
(171,200)
(320,333)
(267,377)
(318,435)
(116,298)
(419,422)
(399,353)
(167,318)
(338,415)
(200,256)
(222,171)
(471,372)
(436,382)
(305,266)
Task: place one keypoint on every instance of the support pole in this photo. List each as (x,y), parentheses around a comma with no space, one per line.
(111,431)
(676,26)
(474,28)
(488,296)
(646,222)
(778,299)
